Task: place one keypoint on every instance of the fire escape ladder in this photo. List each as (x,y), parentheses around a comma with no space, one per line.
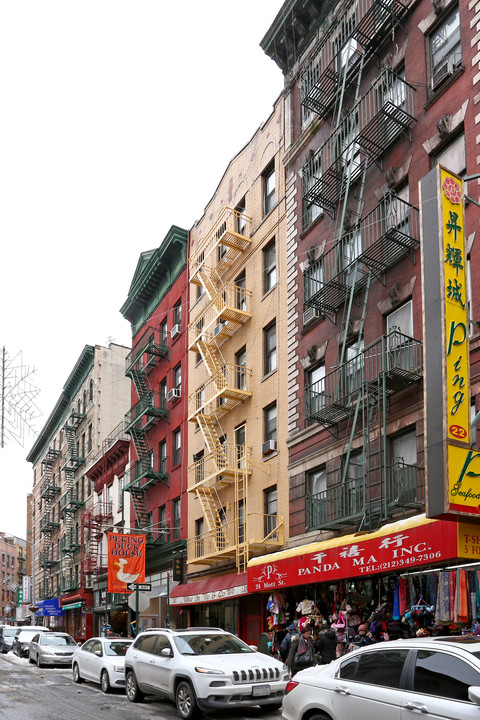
(241,519)
(140,506)
(210,504)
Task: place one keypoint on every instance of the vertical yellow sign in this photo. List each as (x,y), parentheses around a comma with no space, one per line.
(456,311)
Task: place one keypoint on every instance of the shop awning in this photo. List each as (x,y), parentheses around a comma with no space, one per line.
(220,587)
(396,547)
(161,590)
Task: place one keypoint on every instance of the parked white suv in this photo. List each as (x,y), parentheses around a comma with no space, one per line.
(202,669)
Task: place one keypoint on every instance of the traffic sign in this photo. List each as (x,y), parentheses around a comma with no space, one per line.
(139,586)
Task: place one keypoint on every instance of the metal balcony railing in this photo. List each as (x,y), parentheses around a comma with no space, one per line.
(363,28)
(48,524)
(388,365)
(69,543)
(384,491)
(225,389)
(228,237)
(152,467)
(70,502)
(382,237)
(219,467)
(148,350)
(152,407)
(384,112)
(228,310)
(261,533)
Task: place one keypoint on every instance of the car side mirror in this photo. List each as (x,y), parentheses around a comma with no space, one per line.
(474,694)
(253,647)
(166,652)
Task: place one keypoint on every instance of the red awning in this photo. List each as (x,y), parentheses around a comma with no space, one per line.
(220,587)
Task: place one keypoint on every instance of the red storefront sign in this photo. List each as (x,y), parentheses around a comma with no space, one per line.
(395,548)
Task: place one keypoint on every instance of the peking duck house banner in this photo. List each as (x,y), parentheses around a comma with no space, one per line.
(126,561)
(396,547)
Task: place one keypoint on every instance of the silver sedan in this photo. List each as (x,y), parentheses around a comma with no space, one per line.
(51,648)
(101,660)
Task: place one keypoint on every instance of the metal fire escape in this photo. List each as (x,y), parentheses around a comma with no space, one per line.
(48,525)
(337,284)
(150,408)
(235,533)
(70,503)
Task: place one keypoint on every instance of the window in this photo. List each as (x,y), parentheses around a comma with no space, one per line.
(241,521)
(269,267)
(382,667)
(84,401)
(177,518)
(241,299)
(90,393)
(90,438)
(200,291)
(353,496)
(404,485)
(162,523)
(445,50)
(241,218)
(316,507)
(452,157)
(270,348)
(270,512)
(177,313)
(268,188)
(315,395)
(162,454)
(199,540)
(240,370)
(240,445)
(163,393)
(121,486)
(311,175)
(397,210)
(199,461)
(443,675)
(177,446)
(163,332)
(177,377)
(270,422)
(401,347)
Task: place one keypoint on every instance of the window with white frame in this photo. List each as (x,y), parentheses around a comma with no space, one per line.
(452,157)
(268,177)
(269,266)
(445,49)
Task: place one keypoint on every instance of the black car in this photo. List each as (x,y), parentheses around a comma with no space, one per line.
(23,636)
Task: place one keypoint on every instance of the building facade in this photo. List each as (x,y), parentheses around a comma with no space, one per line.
(94,399)
(157,308)
(376,95)
(13,557)
(237,404)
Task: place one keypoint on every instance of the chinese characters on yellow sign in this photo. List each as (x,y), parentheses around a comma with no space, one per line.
(463,462)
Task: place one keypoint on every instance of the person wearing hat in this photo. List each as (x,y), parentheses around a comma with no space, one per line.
(287,641)
(363,637)
(326,645)
(302,650)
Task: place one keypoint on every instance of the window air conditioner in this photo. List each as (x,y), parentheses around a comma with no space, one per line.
(218,329)
(440,73)
(269,446)
(310,315)
(175,331)
(174,394)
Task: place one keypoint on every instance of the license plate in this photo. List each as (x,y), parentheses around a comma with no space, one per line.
(261,690)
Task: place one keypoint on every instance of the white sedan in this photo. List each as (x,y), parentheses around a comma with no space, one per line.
(101,660)
(401,679)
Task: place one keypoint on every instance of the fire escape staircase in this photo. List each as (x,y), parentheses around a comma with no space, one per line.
(48,493)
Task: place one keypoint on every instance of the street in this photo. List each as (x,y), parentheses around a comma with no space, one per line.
(31,693)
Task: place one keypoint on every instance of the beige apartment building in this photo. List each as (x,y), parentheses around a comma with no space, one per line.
(237,406)
(93,400)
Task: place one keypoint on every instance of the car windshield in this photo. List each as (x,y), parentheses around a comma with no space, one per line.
(117,647)
(9,632)
(26,635)
(47,639)
(210,645)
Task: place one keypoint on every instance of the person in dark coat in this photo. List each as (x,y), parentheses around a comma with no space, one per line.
(302,649)
(326,645)
(287,641)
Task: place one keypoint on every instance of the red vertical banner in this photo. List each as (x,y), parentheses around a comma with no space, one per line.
(126,561)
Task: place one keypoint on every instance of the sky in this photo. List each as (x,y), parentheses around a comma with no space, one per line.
(118,120)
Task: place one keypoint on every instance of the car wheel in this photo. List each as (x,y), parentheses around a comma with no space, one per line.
(39,662)
(132,691)
(185,701)
(105,682)
(77,678)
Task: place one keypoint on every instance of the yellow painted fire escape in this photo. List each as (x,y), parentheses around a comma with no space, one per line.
(230,532)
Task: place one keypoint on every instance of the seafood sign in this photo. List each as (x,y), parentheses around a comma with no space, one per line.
(126,561)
